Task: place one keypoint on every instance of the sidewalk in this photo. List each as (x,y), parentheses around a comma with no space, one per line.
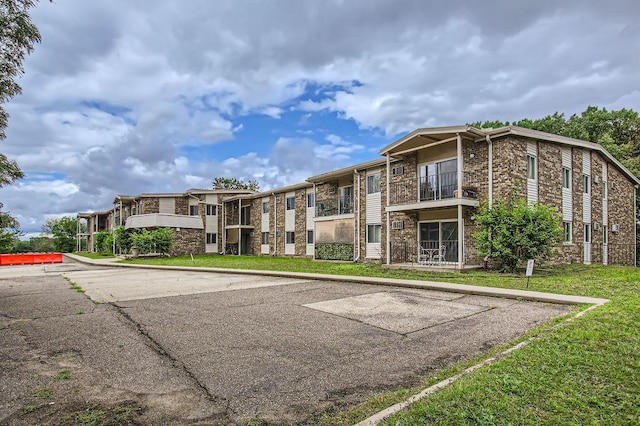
(535,296)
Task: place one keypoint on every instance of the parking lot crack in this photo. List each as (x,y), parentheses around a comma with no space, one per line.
(154,345)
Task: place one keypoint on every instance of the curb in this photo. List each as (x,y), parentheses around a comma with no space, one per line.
(534,296)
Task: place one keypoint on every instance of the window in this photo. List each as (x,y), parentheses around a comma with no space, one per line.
(193,210)
(291,203)
(373,184)
(532,166)
(566,178)
(397,171)
(605,235)
(212,209)
(264,238)
(374,233)
(566,227)
(346,200)
(605,190)
(266,207)
(212,238)
(586,183)
(309,236)
(290,237)
(587,233)
(311,199)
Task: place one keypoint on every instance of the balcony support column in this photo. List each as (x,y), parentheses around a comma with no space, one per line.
(460,218)
(387,197)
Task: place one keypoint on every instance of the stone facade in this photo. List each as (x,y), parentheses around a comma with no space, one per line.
(187,241)
(301,222)
(149,205)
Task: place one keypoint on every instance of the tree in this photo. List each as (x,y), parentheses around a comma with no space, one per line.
(512,231)
(17,37)
(64,231)
(9,232)
(234,183)
(123,239)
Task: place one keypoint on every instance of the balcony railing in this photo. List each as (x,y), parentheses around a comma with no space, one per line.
(432,188)
(334,206)
(427,253)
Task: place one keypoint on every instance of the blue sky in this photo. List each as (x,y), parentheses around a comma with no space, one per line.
(124,98)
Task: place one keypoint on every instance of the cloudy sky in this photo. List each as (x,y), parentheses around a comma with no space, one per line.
(124,97)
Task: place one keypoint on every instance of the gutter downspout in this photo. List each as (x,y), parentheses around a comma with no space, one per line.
(224,229)
(460,218)
(275,223)
(239,226)
(490,169)
(315,214)
(388,185)
(357,235)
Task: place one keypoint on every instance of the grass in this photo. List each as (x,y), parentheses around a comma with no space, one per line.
(43,393)
(95,416)
(63,374)
(90,255)
(584,372)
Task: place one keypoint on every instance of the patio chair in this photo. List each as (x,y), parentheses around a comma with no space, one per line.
(441,255)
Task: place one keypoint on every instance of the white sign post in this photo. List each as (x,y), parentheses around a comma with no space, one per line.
(530,263)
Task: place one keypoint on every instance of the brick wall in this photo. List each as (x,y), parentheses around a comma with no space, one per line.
(182,205)
(509,166)
(149,205)
(301,222)
(187,241)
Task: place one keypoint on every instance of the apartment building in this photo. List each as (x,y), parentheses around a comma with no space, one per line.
(414,205)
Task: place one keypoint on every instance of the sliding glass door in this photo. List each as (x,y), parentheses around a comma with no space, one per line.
(439,239)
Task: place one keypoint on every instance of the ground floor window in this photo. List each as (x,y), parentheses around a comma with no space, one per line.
(290,237)
(439,239)
(374,233)
(310,236)
(566,227)
(212,238)
(264,238)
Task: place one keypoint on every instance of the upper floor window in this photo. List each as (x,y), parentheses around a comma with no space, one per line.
(373,183)
(586,183)
(346,200)
(193,210)
(566,178)
(566,228)
(532,167)
(311,199)
(291,203)
(605,190)
(211,209)
(266,207)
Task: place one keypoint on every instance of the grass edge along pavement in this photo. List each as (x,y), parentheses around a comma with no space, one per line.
(586,371)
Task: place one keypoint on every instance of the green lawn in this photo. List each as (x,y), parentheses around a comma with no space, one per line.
(91,255)
(584,372)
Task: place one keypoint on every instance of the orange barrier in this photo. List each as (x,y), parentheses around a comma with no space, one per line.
(30,258)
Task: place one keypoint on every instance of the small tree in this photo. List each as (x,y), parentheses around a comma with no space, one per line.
(510,232)
(103,242)
(123,239)
(64,231)
(9,232)
(163,239)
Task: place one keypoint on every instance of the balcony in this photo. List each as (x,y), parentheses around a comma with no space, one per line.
(244,219)
(435,187)
(335,206)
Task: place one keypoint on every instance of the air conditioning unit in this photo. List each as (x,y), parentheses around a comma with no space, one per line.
(615,228)
(397,170)
(596,226)
(596,179)
(397,224)
(332,189)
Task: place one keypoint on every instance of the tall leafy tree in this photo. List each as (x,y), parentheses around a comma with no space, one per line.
(17,38)
(63,231)
(221,182)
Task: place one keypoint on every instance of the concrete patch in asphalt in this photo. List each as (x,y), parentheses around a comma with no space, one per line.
(399,312)
(112,285)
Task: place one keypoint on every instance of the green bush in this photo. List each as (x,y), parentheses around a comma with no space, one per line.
(334,251)
(510,232)
(103,242)
(155,241)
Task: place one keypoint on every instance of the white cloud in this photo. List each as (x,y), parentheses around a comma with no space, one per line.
(129,98)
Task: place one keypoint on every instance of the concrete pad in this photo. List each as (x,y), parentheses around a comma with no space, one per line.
(398,312)
(111,285)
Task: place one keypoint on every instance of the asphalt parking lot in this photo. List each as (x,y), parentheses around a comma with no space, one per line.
(208,348)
